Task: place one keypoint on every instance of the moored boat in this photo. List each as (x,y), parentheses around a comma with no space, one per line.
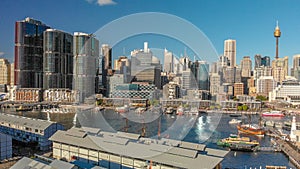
(169,110)
(180,110)
(251,129)
(273,114)
(122,109)
(234,121)
(239,143)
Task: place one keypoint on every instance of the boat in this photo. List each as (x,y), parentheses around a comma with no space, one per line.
(194,111)
(24,108)
(273,113)
(234,121)
(169,110)
(140,110)
(235,142)
(251,129)
(180,111)
(122,109)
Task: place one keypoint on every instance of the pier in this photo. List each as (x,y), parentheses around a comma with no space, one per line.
(289,150)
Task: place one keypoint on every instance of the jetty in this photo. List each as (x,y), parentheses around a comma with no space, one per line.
(289,150)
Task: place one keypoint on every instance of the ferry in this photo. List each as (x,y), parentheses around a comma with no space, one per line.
(235,121)
(122,109)
(273,114)
(180,111)
(235,142)
(251,129)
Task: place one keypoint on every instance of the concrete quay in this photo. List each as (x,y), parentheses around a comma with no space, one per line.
(289,150)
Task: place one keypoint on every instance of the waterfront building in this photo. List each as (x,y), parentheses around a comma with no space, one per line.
(215,83)
(5,146)
(171,91)
(29,130)
(28,94)
(264,85)
(145,67)
(119,149)
(113,81)
(57,59)
(29,53)
(261,61)
(86,54)
(5,72)
(138,90)
(238,89)
(168,61)
(26,162)
(288,88)
(230,51)
(60,95)
(200,70)
(246,66)
(232,105)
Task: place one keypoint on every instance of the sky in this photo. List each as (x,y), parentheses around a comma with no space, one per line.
(250,22)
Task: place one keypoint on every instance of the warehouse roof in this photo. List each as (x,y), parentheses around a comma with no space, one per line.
(183,155)
(24,121)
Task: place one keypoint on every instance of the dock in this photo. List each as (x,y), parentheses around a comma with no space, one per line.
(289,150)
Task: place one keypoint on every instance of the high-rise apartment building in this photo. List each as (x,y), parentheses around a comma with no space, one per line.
(86,54)
(280,68)
(238,89)
(168,61)
(4,71)
(215,83)
(58,59)
(106,54)
(246,66)
(230,51)
(264,85)
(29,53)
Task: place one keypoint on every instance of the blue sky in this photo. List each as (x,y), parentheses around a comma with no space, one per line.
(250,22)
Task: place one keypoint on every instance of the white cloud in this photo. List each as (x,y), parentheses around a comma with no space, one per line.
(2,53)
(102,2)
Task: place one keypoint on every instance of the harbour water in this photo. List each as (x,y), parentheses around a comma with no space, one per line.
(205,129)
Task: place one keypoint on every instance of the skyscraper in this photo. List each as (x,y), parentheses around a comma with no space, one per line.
(106,54)
(168,61)
(230,51)
(58,59)
(261,61)
(29,53)
(246,66)
(86,54)
(200,70)
(280,68)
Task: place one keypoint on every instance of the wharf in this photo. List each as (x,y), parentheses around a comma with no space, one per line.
(289,150)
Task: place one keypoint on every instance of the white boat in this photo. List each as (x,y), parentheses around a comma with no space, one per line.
(194,111)
(122,109)
(140,110)
(169,110)
(234,121)
(180,110)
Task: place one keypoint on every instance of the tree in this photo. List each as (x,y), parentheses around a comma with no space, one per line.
(245,107)
(261,98)
(240,108)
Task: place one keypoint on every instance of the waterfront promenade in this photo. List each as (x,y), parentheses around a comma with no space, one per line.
(291,151)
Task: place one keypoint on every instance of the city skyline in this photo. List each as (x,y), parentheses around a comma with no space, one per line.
(253,17)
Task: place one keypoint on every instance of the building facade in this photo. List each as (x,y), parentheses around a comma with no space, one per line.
(200,70)
(86,57)
(264,85)
(58,59)
(171,91)
(5,146)
(29,53)
(29,130)
(168,62)
(246,66)
(238,89)
(28,94)
(5,70)
(288,89)
(60,95)
(230,51)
